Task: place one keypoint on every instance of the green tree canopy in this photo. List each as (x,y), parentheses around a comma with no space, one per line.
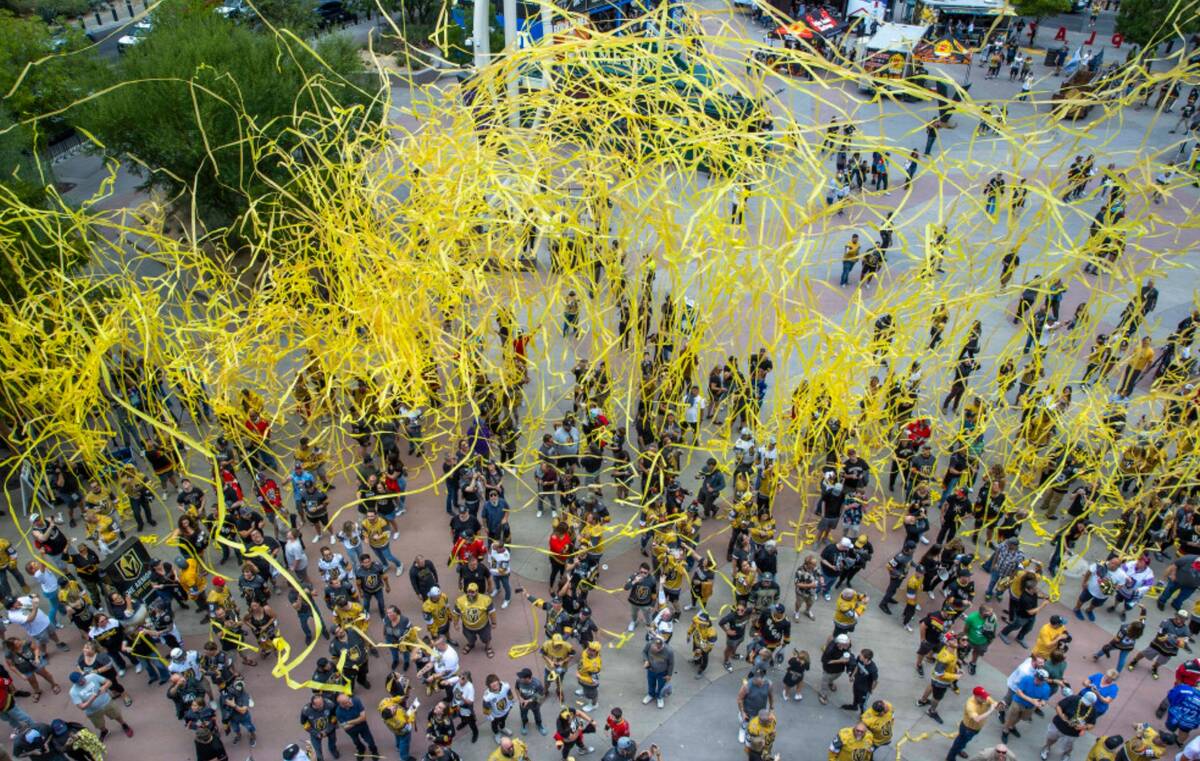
(1149,22)
(210,109)
(40,74)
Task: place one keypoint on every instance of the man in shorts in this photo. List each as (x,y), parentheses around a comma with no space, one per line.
(1073,716)
(1172,634)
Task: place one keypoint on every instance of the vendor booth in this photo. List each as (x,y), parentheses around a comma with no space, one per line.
(887,56)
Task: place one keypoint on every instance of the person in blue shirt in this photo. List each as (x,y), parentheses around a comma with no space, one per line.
(1183,711)
(1029,694)
(1105,687)
(352,718)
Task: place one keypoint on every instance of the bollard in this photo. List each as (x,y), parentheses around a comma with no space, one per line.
(129,7)
(113,8)
(99,20)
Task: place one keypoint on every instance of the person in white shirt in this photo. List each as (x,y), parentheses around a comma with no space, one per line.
(1139,578)
(693,412)
(1027,667)
(1191,751)
(36,623)
(294,555)
(442,669)
(48,581)
(333,564)
(499,563)
(768,455)
(744,453)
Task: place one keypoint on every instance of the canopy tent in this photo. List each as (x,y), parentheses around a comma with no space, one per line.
(945,50)
(817,22)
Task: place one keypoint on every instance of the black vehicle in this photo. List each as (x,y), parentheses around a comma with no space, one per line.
(333,13)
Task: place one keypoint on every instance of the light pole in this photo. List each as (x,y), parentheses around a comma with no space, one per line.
(482,34)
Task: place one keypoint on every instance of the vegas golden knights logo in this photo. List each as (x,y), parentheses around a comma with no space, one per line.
(129,566)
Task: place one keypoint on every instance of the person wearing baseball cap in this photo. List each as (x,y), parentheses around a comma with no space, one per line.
(978,709)
(1073,716)
(1029,693)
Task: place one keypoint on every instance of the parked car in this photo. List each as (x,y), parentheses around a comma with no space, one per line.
(235,9)
(137,33)
(334,12)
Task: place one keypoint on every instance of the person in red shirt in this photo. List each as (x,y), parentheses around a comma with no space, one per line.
(560,551)
(468,546)
(271,499)
(618,725)
(257,449)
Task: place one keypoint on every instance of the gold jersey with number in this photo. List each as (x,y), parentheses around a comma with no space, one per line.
(674,573)
(8,555)
(473,613)
(847,612)
(760,736)
(703,635)
(376,531)
(401,721)
(851,748)
(437,613)
(880,724)
(520,752)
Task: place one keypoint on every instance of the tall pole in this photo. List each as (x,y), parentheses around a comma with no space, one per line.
(510,48)
(482,33)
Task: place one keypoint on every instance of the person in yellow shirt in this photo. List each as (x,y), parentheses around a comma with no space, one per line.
(349,614)
(102,501)
(220,596)
(760,736)
(762,527)
(703,636)
(673,573)
(847,610)
(945,676)
(100,528)
(376,531)
(1135,364)
(588,674)
(476,614)
(556,654)
(977,710)
(510,749)
(1049,636)
(912,591)
(8,565)
(880,719)
(436,612)
(744,580)
(191,577)
(400,720)
(313,459)
(852,744)
(1106,748)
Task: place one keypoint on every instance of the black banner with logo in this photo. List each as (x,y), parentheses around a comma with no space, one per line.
(129,569)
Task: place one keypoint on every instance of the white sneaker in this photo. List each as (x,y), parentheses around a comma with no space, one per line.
(366,616)
(785,697)
(799,697)
(539,513)
(741,736)
(908,627)
(688,607)
(632,626)
(579,691)
(120,672)
(590,749)
(659,702)
(588,708)
(646,700)
(504,604)
(395,534)
(924,540)
(796,616)
(138,668)
(317,539)
(400,571)
(828,598)
(1045,754)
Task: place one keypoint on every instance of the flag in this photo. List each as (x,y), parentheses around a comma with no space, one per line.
(1073,64)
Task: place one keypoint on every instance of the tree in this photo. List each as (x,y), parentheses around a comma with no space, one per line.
(1149,22)
(300,16)
(210,110)
(34,235)
(1040,9)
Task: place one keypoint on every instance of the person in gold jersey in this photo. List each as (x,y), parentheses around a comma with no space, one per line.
(510,749)
(476,615)
(588,674)
(760,736)
(401,721)
(852,744)
(880,719)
